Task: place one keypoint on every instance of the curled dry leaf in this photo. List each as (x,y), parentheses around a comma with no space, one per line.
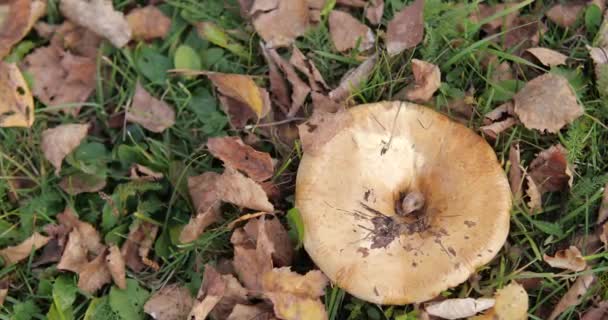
(406,29)
(534,195)
(197,225)
(53,250)
(565,15)
(252,258)
(511,304)
(547,103)
(353,79)
(138,244)
(458,308)
(274,237)
(278,85)
(94,275)
(89,235)
(116,266)
(235,154)
(347,32)
(550,170)
(82,183)
(217,296)
(295,296)
(16,19)
(597,313)
(494,129)
(516,172)
(599,57)
(149,112)
(427,79)
(204,192)
(100,17)
(140,172)
(573,296)
(570,259)
(14,254)
(242,89)
(16,101)
(548,57)
(308,68)
(251,312)
(172,302)
(148,23)
(321,128)
(374,11)
(61,78)
(74,255)
(281,22)
(242,191)
(60,141)
(299,89)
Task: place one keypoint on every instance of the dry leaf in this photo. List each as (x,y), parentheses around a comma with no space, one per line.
(4,291)
(14,254)
(565,15)
(299,89)
(143,173)
(321,128)
(94,275)
(547,103)
(217,296)
(116,266)
(573,296)
(406,29)
(282,22)
(148,23)
(251,312)
(347,32)
(599,57)
(89,235)
(172,302)
(100,17)
(53,250)
(308,68)
(61,78)
(374,10)
(16,101)
(295,296)
(323,104)
(511,304)
(524,33)
(235,154)
(485,11)
(74,38)
(243,89)
(516,172)
(548,57)
(197,225)
(534,195)
(204,192)
(237,189)
(149,112)
(16,19)
(602,215)
(427,79)
(458,308)
(352,3)
(550,170)
(81,183)
(569,259)
(494,129)
(138,244)
(278,85)
(252,258)
(597,313)
(353,79)
(75,253)
(604,235)
(271,235)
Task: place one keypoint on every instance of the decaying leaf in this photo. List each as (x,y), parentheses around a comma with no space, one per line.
(237,189)
(14,254)
(217,296)
(252,312)
(243,89)
(547,103)
(89,235)
(299,89)
(347,32)
(16,101)
(272,236)
(573,296)
(308,68)
(323,104)
(494,129)
(550,170)
(278,84)
(60,141)
(75,253)
(548,57)
(138,244)
(3,291)
(94,275)
(570,259)
(280,22)
(295,296)
(100,17)
(61,78)
(116,266)
(523,33)
(602,216)
(149,112)
(148,22)
(71,37)
(516,172)
(172,302)
(321,128)
(252,258)
(458,308)
(140,172)
(604,235)
(353,79)
(534,195)
(485,11)
(406,29)
(81,183)
(511,304)
(599,55)
(204,192)
(198,223)
(597,313)
(53,250)
(16,19)
(235,154)
(374,10)
(427,79)
(565,15)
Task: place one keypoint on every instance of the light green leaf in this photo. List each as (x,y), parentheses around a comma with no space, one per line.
(186,58)
(129,303)
(296,226)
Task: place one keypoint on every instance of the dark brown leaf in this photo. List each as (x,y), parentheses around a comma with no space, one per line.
(597,313)
(353,79)
(299,89)
(81,183)
(234,153)
(406,29)
(550,170)
(515,171)
(138,244)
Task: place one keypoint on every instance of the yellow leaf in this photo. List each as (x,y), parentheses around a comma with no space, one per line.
(511,304)
(16,101)
(243,89)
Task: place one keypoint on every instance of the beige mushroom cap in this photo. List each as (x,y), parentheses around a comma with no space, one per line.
(347,193)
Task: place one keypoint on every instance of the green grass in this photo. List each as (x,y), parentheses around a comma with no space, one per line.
(177,152)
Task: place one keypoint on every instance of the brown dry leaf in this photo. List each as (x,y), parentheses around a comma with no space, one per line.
(243,89)
(602,215)
(548,57)
(505,109)
(197,225)
(511,304)
(16,101)
(323,104)
(406,29)
(352,3)
(547,103)
(281,22)
(81,183)
(321,128)
(299,89)
(3,291)
(116,266)
(458,308)
(138,244)
(61,78)
(494,129)
(235,154)
(238,112)
(217,296)
(251,312)
(347,32)
(565,15)
(16,19)
(89,235)
(75,254)
(148,23)
(427,79)
(13,254)
(100,17)
(295,296)
(151,113)
(278,84)
(374,10)
(308,68)
(270,235)
(573,296)
(140,172)
(569,259)
(597,313)
(204,192)
(524,33)
(353,79)
(599,57)
(516,172)
(72,37)
(94,275)
(550,170)
(534,195)
(53,250)
(237,189)
(604,235)
(172,302)
(252,259)
(485,11)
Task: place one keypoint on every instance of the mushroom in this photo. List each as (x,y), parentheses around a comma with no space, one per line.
(402,203)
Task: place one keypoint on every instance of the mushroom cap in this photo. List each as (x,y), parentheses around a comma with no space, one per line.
(346,189)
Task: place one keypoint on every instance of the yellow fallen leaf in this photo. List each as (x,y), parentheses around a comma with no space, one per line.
(16,19)
(511,304)
(16,101)
(243,89)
